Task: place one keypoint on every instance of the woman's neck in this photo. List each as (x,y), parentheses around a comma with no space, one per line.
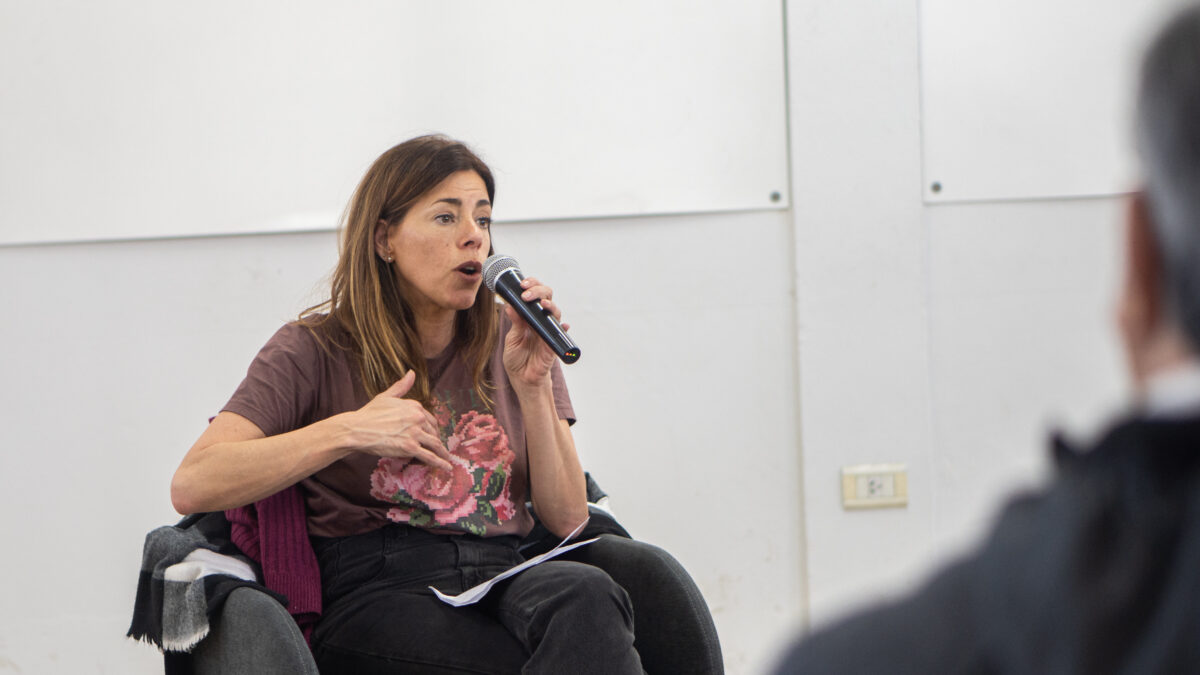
(435,332)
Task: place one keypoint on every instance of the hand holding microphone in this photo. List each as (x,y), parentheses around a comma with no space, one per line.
(502,276)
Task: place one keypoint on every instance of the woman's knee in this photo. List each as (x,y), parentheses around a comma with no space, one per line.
(592,586)
(575,589)
(633,563)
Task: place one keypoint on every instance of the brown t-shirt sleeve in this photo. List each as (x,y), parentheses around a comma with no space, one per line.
(562,399)
(281,387)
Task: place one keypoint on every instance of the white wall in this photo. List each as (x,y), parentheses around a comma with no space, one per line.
(943,337)
(947,338)
(297,97)
(116,353)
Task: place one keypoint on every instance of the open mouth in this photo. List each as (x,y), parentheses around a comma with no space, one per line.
(470,268)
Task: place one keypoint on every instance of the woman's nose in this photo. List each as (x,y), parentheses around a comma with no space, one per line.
(473,234)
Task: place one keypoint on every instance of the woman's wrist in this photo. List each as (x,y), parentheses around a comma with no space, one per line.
(340,435)
(532,392)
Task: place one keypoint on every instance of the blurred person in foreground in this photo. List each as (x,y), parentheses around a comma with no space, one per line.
(1099,572)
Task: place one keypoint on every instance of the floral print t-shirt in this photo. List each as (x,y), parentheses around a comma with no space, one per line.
(302,376)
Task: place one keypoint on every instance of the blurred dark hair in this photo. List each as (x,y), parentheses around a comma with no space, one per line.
(1168,132)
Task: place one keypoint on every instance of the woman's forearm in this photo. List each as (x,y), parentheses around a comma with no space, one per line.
(556,483)
(233,464)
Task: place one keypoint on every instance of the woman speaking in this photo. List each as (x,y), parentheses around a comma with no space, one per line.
(417,419)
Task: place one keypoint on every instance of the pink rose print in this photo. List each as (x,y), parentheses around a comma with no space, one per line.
(446,493)
(441,412)
(385,480)
(504,506)
(474,494)
(481,440)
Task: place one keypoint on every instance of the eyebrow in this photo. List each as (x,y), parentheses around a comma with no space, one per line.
(455,201)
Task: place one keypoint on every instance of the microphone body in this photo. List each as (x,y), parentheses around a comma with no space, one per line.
(503,277)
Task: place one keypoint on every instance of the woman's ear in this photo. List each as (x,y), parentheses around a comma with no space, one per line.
(1143,263)
(382,249)
(1140,313)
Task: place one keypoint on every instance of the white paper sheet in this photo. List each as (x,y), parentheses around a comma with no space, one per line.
(475,594)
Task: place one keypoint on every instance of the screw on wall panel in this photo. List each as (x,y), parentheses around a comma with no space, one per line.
(775,196)
(936,187)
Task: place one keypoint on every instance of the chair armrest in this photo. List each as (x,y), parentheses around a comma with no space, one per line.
(253,634)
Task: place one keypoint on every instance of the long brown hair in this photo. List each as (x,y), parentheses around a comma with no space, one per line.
(365,298)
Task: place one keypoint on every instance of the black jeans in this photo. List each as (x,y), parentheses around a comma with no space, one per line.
(380,616)
(673,629)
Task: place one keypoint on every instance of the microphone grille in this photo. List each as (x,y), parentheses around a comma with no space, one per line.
(496,265)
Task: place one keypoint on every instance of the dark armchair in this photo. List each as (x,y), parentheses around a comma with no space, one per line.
(252,632)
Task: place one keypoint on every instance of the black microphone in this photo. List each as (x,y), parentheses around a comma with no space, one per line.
(503,277)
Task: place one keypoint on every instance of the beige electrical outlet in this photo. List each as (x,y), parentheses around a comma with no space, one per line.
(874,486)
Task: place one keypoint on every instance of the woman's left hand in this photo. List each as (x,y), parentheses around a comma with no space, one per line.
(527,358)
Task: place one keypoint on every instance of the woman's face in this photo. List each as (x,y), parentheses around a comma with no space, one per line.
(439,247)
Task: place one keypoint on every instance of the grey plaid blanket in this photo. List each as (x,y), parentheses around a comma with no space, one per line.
(187,571)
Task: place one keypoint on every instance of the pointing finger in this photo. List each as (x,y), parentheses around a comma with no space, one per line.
(433,460)
(433,445)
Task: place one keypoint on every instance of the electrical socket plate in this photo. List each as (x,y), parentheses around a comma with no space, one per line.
(874,486)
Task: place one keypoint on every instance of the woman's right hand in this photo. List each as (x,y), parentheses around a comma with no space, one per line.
(393,426)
